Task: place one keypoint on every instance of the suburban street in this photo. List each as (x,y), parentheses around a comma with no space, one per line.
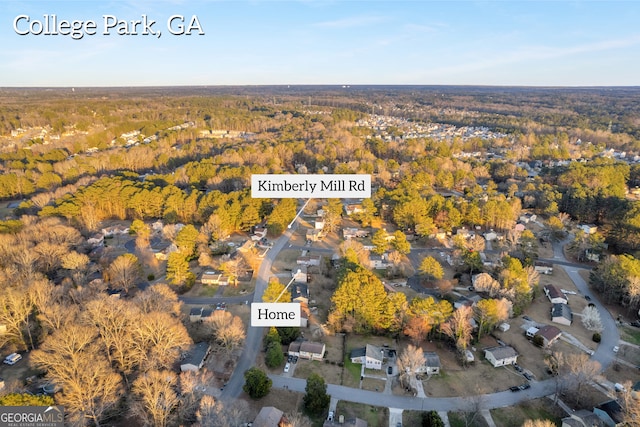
(604,354)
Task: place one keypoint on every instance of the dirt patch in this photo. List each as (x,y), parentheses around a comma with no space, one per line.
(330,372)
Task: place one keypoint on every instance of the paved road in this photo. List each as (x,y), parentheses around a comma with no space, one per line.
(253,342)
(603,354)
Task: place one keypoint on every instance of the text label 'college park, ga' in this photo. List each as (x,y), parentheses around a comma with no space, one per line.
(275,314)
(308,186)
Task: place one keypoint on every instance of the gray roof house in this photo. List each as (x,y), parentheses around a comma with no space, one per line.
(370,356)
(561,313)
(431,364)
(196,357)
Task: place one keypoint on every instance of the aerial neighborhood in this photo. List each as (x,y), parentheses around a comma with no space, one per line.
(490,279)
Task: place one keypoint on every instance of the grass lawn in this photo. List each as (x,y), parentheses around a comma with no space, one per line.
(208,291)
(457,419)
(531,410)
(354,370)
(630,334)
(375,416)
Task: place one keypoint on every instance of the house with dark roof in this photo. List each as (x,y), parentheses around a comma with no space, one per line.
(610,413)
(431,365)
(300,293)
(561,313)
(549,334)
(270,416)
(582,418)
(195,357)
(307,350)
(370,356)
(501,355)
(555,295)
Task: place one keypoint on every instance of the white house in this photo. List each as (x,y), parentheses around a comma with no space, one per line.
(300,275)
(561,313)
(501,355)
(370,356)
(543,267)
(555,295)
(588,228)
(431,365)
(378,261)
(307,350)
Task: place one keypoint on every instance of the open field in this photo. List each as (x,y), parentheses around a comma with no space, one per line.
(534,409)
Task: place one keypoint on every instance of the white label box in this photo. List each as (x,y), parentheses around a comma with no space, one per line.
(275,314)
(309,186)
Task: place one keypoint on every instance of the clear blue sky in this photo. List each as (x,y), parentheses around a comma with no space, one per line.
(554,43)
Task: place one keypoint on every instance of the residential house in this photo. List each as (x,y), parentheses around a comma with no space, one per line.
(555,295)
(561,313)
(527,218)
(309,260)
(543,267)
(490,236)
(300,293)
(313,234)
(307,350)
(270,416)
(431,364)
(318,224)
(370,356)
(610,413)
(588,228)
(352,233)
(161,252)
(300,275)
(200,314)
(210,278)
(501,355)
(591,255)
(115,229)
(378,261)
(470,301)
(353,209)
(304,316)
(196,357)
(96,240)
(549,334)
(259,233)
(582,418)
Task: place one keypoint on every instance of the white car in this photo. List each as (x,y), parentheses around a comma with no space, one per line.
(286,367)
(330,417)
(615,349)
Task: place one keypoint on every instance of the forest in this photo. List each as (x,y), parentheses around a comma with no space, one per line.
(71,161)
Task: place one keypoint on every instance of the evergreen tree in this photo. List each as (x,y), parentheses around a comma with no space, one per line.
(256,383)
(316,400)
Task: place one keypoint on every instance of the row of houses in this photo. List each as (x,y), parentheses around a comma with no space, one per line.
(560,311)
(270,416)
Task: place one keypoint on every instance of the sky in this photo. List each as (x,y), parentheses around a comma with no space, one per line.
(342,42)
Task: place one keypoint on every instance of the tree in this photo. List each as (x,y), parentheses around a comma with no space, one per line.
(432,419)
(408,363)
(576,372)
(214,413)
(538,423)
(379,241)
(459,328)
(431,268)
(483,282)
(25,399)
(400,242)
(124,271)
(591,319)
(186,240)
(490,312)
(156,397)
(228,330)
(274,289)
(316,400)
(158,339)
(274,356)
(73,359)
(256,383)
(282,215)
(178,271)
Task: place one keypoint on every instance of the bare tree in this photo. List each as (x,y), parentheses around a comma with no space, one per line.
(213,413)
(74,360)
(630,408)
(538,423)
(156,397)
(124,271)
(577,371)
(408,363)
(158,340)
(298,419)
(591,319)
(159,297)
(228,330)
(459,327)
(483,282)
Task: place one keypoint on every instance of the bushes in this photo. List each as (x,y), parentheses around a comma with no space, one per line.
(596,337)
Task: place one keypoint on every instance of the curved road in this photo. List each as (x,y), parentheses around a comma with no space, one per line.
(603,354)
(253,344)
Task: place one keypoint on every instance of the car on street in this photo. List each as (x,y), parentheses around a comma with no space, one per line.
(514,388)
(524,386)
(330,416)
(616,349)
(390,370)
(587,297)
(286,367)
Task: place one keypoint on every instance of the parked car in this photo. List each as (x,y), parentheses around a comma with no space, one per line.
(330,416)
(286,367)
(527,318)
(514,388)
(13,358)
(524,386)
(295,359)
(587,297)
(616,348)
(289,359)
(528,376)
(390,370)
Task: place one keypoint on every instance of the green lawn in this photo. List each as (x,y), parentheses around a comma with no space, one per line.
(630,334)
(353,368)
